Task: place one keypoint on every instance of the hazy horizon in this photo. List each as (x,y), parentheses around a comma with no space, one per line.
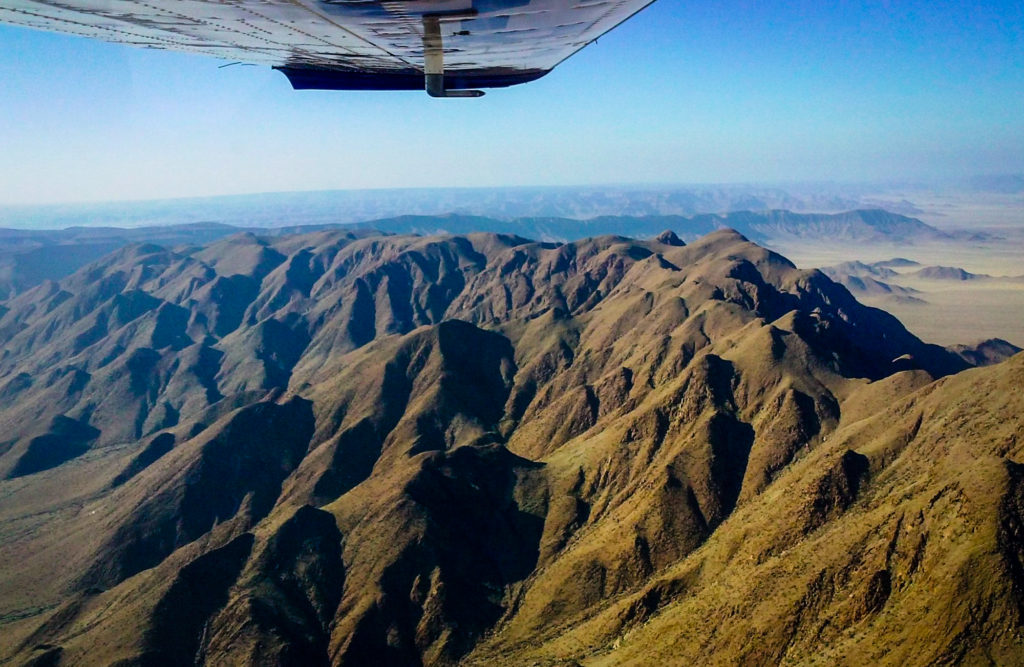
(305,207)
(959,183)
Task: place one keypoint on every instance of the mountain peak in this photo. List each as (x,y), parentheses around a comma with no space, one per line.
(669,237)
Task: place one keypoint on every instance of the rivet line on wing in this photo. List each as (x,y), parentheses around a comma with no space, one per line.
(309,9)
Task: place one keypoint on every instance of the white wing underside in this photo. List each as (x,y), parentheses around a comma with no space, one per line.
(367,36)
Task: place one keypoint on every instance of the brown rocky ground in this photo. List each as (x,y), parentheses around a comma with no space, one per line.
(347,449)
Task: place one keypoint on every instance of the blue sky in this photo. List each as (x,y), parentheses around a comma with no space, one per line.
(685,92)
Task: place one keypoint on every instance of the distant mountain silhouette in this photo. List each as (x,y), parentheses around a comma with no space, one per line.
(955,273)
(27,258)
(946,273)
(759,226)
(895,263)
(870,280)
(987,352)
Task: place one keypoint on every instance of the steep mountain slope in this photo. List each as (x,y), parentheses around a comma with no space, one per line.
(342,449)
(896,542)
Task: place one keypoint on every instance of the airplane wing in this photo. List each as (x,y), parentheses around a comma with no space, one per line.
(445,46)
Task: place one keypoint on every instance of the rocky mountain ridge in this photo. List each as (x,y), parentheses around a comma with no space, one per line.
(337,448)
(29,257)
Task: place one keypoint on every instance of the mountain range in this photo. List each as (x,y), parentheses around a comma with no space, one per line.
(273,209)
(27,257)
(880,279)
(350,448)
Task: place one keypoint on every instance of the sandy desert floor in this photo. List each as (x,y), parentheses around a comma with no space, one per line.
(955,311)
(960,312)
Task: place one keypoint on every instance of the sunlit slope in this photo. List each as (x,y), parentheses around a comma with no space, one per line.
(897,541)
(331,448)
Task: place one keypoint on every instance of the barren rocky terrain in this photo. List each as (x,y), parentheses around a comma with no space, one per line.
(353,448)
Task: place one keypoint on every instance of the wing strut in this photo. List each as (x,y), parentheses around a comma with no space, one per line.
(433,56)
